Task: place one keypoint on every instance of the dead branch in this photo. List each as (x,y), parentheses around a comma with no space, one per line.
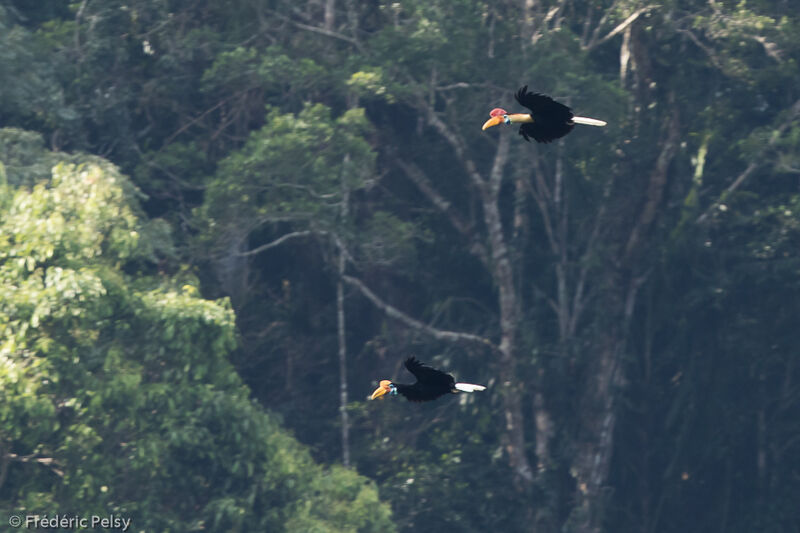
(755,163)
(619,28)
(393,312)
(655,189)
(277,242)
(424,184)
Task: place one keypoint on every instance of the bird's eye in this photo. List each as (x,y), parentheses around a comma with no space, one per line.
(506,120)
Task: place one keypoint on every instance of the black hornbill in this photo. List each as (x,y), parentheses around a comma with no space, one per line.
(547,121)
(431,384)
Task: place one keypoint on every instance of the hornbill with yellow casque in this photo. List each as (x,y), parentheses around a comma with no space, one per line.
(547,121)
(431,384)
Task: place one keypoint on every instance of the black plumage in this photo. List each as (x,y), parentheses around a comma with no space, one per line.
(431,383)
(551,120)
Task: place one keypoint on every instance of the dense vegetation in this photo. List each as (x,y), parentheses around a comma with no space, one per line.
(221,222)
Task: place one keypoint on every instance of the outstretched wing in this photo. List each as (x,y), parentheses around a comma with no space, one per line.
(428,375)
(541,104)
(431,383)
(551,119)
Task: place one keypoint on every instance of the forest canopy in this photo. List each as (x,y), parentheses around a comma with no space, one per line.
(222,222)
(118,392)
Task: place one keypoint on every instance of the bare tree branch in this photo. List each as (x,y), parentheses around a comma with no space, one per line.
(458,146)
(424,184)
(655,189)
(620,27)
(542,196)
(186,126)
(33,458)
(756,162)
(579,301)
(708,50)
(596,33)
(539,292)
(321,31)
(436,333)
(770,48)
(280,240)
(458,85)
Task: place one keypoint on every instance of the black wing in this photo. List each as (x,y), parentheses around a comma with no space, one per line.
(426,374)
(542,104)
(431,383)
(551,119)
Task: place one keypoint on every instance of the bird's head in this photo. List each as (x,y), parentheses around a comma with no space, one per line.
(498,116)
(386,387)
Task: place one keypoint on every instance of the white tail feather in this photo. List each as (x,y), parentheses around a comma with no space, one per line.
(469,387)
(589,121)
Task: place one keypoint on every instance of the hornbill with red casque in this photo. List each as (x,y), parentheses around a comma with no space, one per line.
(547,121)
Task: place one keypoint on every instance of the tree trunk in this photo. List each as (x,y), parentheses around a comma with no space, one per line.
(330,14)
(597,419)
(4,462)
(604,369)
(503,275)
(340,320)
(232,269)
(504,279)
(342,363)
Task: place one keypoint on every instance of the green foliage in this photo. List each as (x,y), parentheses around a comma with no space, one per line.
(29,94)
(385,240)
(25,161)
(291,169)
(461,458)
(370,82)
(240,122)
(118,395)
(341,502)
(270,70)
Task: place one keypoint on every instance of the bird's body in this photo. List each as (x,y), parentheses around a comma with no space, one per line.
(430,385)
(548,120)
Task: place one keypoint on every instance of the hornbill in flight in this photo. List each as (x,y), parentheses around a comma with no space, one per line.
(547,121)
(431,384)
